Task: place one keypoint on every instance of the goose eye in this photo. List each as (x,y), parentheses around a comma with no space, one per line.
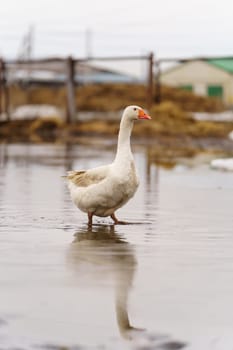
(135,109)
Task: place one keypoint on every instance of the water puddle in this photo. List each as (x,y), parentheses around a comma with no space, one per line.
(162,282)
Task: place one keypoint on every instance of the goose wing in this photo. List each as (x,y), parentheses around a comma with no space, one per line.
(85,178)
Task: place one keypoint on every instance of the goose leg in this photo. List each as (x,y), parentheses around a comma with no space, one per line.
(90,215)
(116,221)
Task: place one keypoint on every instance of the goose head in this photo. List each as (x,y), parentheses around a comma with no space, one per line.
(135,113)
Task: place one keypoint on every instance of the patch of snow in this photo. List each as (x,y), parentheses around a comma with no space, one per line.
(222,164)
(35,111)
(231,135)
(226,116)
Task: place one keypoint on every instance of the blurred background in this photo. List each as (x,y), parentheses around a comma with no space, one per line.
(74,61)
(78,28)
(61,59)
(67,71)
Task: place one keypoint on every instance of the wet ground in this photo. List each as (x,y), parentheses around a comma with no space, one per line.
(162,282)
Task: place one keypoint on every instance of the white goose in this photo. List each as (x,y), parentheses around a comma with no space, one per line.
(103,190)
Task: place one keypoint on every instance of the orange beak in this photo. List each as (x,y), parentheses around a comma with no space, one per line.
(143,115)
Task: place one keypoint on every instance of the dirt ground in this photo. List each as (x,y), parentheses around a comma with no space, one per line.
(111,97)
(172,130)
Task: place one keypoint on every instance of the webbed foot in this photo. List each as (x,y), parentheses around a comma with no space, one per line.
(118,222)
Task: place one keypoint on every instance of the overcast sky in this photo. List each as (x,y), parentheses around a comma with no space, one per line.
(167,27)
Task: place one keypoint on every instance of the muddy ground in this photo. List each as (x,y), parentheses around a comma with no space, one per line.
(111,97)
(172,130)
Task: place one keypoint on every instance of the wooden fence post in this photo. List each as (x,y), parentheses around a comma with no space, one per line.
(150,80)
(157,82)
(1,86)
(4,92)
(70,86)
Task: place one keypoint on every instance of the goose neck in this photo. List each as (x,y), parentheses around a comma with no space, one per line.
(123,145)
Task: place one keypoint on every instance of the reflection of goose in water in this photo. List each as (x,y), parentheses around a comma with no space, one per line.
(99,251)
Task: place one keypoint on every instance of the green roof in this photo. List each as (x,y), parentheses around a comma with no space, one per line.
(223,63)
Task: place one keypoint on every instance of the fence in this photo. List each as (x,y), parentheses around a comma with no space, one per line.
(63,72)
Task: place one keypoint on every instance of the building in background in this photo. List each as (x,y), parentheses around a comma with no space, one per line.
(206,77)
(53,73)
